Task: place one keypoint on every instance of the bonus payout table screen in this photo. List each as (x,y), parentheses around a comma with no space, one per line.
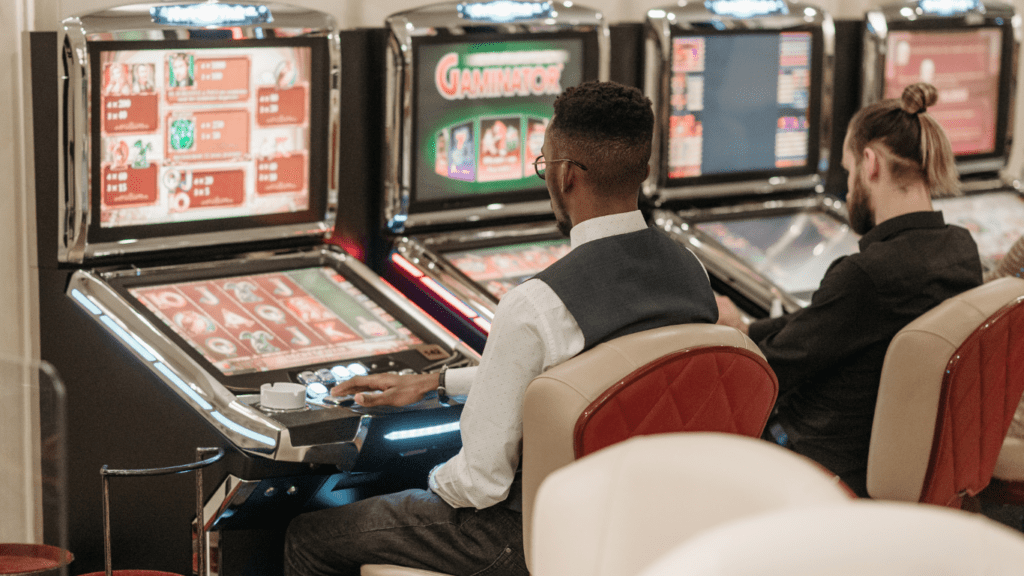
(203,133)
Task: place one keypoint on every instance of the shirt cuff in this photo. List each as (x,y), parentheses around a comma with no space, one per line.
(458,381)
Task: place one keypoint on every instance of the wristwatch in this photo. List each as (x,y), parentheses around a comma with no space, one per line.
(442,392)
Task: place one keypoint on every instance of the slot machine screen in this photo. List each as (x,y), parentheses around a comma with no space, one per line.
(742,105)
(995,220)
(793,251)
(186,133)
(502,268)
(481,106)
(965,65)
(275,320)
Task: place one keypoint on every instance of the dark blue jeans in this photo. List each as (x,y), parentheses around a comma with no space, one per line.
(414,528)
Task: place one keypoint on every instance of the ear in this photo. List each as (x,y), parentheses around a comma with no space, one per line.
(647,171)
(871,163)
(568,177)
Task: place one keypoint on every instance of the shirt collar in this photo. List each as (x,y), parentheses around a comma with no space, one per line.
(605,226)
(894,226)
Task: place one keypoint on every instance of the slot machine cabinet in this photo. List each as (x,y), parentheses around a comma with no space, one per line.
(182,266)
(743,97)
(968,51)
(469,92)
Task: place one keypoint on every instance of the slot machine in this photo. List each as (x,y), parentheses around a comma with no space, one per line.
(187,296)
(743,97)
(968,51)
(469,94)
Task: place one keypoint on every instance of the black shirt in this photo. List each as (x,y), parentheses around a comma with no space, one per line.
(828,356)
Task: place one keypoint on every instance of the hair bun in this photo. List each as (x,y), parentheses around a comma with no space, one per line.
(918,97)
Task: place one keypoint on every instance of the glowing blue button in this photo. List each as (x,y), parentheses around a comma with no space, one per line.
(341,373)
(357,369)
(316,389)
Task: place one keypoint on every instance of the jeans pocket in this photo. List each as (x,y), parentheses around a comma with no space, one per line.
(510,562)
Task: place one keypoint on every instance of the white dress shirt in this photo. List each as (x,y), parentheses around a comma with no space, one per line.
(532,332)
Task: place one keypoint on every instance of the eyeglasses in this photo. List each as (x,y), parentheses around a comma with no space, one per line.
(540,165)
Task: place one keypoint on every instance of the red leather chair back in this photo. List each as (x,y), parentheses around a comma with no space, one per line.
(950,384)
(710,389)
(981,389)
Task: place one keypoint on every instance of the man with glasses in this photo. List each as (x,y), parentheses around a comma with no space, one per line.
(620,277)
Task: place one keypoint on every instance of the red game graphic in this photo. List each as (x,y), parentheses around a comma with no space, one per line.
(277,107)
(211,189)
(501,149)
(964,67)
(136,113)
(281,174)
(275,320)
(209,79)
(127,186)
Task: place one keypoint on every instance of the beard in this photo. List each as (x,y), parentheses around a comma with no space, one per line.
(862,217)
(562,220)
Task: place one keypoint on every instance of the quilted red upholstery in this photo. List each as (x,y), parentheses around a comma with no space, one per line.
(709,389)
(980,392)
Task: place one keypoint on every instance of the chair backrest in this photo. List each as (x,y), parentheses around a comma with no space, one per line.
(855,538)
(618,510)
(691,377)
(950,384)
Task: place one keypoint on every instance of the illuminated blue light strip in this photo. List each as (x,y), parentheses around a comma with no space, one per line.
(421,432)
(85,301)
(948,7)
(128,339)
(243,430)
(183,386)
(209,14)
(504,10)
(746,8)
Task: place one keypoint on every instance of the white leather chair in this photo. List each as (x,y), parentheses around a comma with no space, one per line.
(616,511)
(685,377)
(950,384)
(853,539)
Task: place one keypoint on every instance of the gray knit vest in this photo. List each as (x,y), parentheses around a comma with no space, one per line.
(631,282)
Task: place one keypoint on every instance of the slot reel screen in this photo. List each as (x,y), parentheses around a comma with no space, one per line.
(793,251)
(995,220)
(192,132)
(276,320)
(741,106)
(502,268)
(481,107)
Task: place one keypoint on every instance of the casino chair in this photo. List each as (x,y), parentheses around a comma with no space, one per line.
(860,537)
(614,512)
(690,377)
(950,384)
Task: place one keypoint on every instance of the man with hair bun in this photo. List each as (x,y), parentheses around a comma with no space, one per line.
(620,277)
(828,356)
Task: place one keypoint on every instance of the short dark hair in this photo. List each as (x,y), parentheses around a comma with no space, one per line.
(920,147)
(608,127)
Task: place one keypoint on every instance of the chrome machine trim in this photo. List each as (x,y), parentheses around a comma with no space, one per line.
(723,264)
(717,16)
(454,17)
(968,13)
(140,22)
(232,415)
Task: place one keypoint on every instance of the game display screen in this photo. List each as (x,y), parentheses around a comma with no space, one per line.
(480,111)
(965,66)
(742,106)
(995,220)
(187,134)
(793,251)
(502,268)
(275,320)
